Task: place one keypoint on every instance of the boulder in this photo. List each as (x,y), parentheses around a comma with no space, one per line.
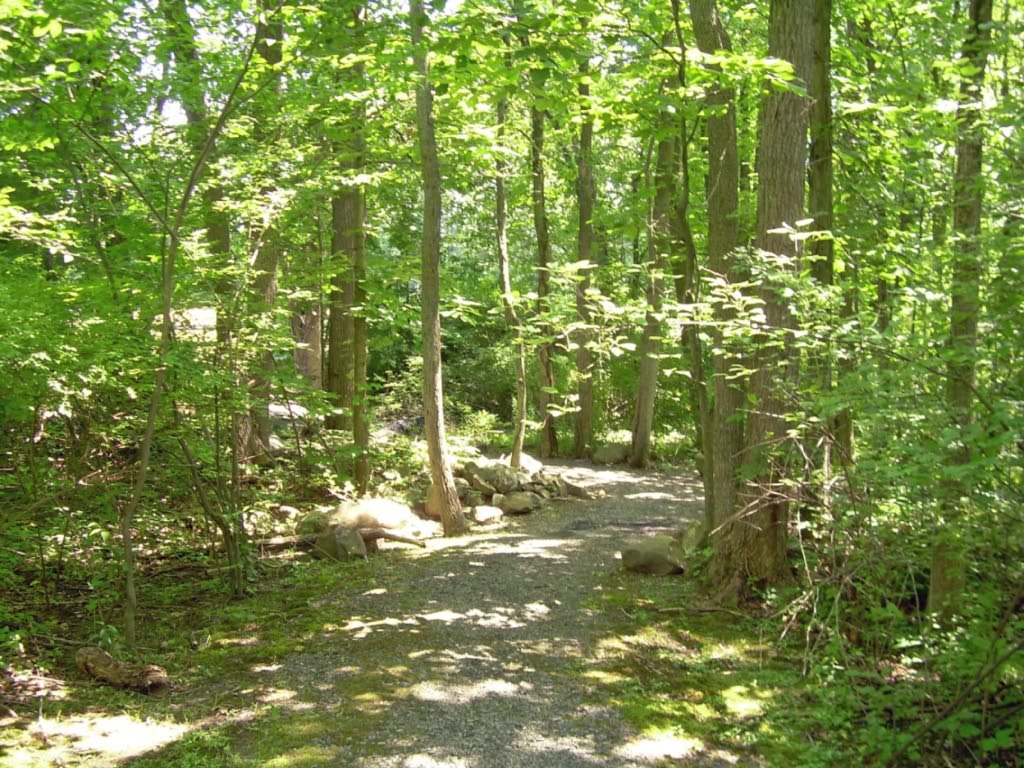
(500,477)
(314,522)
(517,503)
(487,515)
(527,463)
(657,555)
(340,543)
(610,453)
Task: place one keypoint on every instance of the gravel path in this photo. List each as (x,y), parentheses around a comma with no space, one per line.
(467,654)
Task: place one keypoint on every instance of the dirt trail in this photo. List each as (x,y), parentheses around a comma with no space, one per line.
(468,654)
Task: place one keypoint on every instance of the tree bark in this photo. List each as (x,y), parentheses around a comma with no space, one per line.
(444,499)
(724,439)
(751,545)
(583,425)
(949,568)
(548,436)
(507,299)
(266,253)
(660,239)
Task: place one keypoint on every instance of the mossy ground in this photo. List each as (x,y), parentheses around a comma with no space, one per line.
(707,678)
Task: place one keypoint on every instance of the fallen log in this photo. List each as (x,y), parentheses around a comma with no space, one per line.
(306,541)
(145,678)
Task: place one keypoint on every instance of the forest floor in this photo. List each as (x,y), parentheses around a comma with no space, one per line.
(526,645)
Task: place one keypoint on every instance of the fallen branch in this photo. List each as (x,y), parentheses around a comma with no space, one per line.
(145,678)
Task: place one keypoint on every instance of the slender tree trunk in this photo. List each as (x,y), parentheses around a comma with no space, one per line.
(189,77)
(347,353)
(548,436)
(650,345)
(752,543)
(444,499)
(724,438)
(266,254)
(583,426)
(949,567)
(507,299)
(819,203)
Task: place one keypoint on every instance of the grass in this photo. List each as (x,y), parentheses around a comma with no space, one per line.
(710,680)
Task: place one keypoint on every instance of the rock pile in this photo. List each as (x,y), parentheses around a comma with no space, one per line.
(491,489)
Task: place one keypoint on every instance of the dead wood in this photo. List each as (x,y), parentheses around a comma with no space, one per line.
(145,678)
(370,534)
(306,541)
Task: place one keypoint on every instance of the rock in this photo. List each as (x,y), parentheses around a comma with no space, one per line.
(610,453)
(314,522)
(517,503)
(487,515)
(474,499)
(500,477)
(341,543)
(657,555)
(481,485)
(527,463)
(462,487)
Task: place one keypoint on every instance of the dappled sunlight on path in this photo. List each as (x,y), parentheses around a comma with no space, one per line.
(469,653)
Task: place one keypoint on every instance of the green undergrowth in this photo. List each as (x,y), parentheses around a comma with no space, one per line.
(713,682)
(218,713)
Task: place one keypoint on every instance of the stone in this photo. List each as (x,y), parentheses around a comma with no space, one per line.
(487,515)
(610,453)
(462,487)
(341,543)
(527,463)
(481,485)
(500,477)
(657,555)
(314,522)
(518,503)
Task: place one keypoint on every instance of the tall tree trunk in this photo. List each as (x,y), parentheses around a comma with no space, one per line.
(444,499)
(583,426)
(819,203)
(724,439)
(347,353)
(660,237)
(548,437)
(507,299)
(266,253)
(751,545)
(948,556)
(189,91)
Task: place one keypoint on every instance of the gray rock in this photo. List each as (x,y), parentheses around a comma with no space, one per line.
(500,477)
(314,522)
(487,515)
(340,543)
(610,453)
(518,503)
(657,555)
(481,485)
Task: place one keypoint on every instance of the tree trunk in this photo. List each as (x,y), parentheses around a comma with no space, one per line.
(724,439)
(505,284)
(751,545)
(660,239)
(188,65)
(548,437)
(949,567)
(444,499)
(266,254)
(583,425)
